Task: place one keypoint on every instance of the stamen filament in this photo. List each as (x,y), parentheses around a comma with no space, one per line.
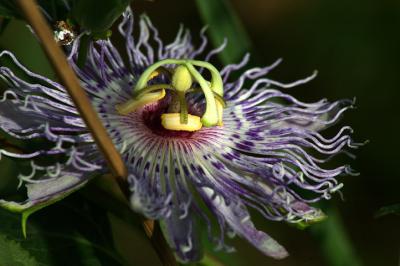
(136,103)
(152,88)
(218,97)
(217,84)
(142,82)
(210,116)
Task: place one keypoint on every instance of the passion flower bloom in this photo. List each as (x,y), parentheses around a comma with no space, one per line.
(202,148)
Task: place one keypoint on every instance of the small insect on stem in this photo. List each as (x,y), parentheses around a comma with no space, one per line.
(64,33)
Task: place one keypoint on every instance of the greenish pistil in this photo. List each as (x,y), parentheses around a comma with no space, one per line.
(182,78)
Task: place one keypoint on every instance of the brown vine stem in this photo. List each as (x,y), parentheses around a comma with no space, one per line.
(70,81)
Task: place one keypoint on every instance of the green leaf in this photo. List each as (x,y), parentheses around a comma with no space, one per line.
(334,241)
(3,24)
(28,207)
(8,9)
(97,15)
(224,23)
(72,231)
(209,260)
(31,250)
(391,209)
(56,9)
(12,253)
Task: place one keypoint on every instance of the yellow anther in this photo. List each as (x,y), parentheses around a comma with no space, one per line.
(159,71)
(136,103)
(172,121)
(154,74)
(181,79)
(220,110)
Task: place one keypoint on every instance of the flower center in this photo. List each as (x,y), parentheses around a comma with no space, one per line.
(182,77)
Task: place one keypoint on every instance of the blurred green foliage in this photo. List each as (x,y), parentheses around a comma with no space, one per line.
(334,241)
(8,9)
(97,15)
(73,231)
(223,24)
(391,209)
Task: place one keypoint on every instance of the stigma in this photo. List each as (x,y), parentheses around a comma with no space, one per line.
(184,79)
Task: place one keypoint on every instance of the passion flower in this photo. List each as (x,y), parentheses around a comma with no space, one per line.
(201,148)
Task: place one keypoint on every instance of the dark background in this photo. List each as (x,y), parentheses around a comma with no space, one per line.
(355,47)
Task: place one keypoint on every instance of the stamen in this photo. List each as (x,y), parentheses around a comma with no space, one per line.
(158,71)
(172,121)
(146,95)
(217,84)
(210,116)
(144,78)
(218,97)
(220,110)
(136,103)
(152,88)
